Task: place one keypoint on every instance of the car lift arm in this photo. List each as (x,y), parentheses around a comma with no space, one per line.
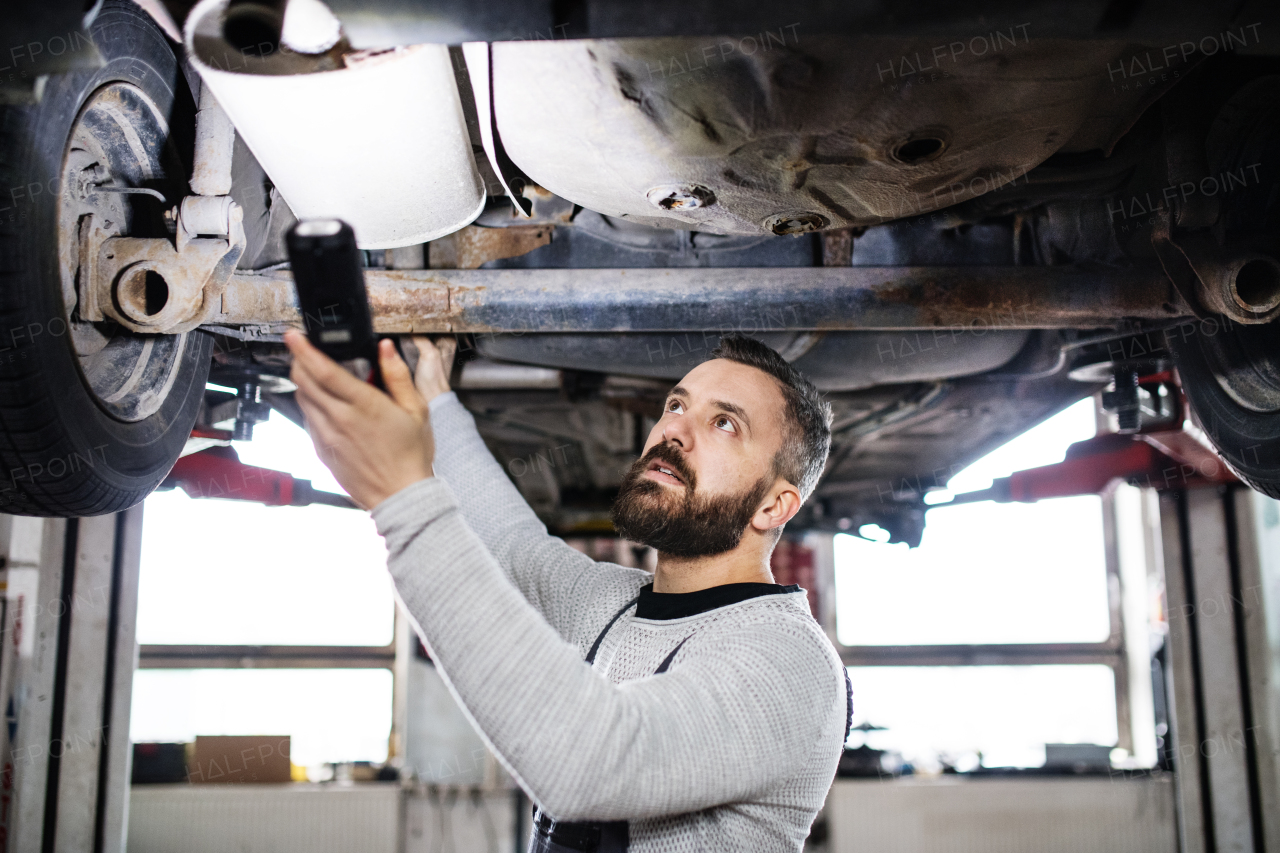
(219,473)
(1160,460)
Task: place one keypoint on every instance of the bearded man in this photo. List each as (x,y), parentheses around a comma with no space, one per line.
(700,708)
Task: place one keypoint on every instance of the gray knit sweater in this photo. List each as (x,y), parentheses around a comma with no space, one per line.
(733,748)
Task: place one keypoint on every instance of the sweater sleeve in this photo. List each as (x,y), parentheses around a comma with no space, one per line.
(549,573)
(739,712)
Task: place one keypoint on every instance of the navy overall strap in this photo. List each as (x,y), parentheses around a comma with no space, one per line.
(595,647)
(552,836)
(848,714)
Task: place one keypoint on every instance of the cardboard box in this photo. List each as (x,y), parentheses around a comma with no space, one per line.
(242,758)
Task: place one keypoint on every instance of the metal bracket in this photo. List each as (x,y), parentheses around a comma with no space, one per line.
(1177,266)
(152,285)
(1242,286)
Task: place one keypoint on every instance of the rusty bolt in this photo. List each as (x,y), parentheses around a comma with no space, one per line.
(681,197)
(794,224)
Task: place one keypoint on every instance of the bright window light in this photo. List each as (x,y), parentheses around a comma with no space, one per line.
(1043,444)
(329,714)
(1005,714)
(216,571)
(874,532)
(986,572)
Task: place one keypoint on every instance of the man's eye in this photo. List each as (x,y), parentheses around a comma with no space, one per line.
(725,423)
(674,406)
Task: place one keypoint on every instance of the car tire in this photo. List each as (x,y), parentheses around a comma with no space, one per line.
(92,417)
(1231,376)
(1230,372)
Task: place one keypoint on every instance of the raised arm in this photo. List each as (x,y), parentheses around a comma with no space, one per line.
(548,572)
(584,748)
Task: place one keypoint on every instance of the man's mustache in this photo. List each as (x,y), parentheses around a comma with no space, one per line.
(674,460)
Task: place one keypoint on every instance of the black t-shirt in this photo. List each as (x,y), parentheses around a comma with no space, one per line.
(677,605)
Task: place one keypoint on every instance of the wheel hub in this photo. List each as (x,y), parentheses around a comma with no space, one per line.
(118,144)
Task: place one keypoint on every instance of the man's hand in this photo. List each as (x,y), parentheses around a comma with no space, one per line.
(374,444)
(435,363)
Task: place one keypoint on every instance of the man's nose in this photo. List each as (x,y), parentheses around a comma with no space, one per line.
(677,432)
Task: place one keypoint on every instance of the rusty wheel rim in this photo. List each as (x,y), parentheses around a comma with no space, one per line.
(119,140)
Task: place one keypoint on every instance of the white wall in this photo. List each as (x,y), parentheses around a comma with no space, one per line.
(993,815)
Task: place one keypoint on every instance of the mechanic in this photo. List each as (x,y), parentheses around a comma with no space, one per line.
(712,710)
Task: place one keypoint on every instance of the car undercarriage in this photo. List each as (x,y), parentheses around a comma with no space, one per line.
(954,223)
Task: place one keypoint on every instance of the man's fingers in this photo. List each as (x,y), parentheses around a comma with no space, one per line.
(312,395)
(326,372)
(409,352)
(330,442)
(396,378)
(306,381)
(435,360)
(428,355)
(447,346)
(328,421)
(319,425)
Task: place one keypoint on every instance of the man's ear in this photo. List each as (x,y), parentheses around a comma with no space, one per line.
(780,507)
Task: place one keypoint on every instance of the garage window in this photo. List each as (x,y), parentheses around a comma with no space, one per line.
(216,571)
(1000,633)
(266,620)
(984,573)
(329,714)
(995,716)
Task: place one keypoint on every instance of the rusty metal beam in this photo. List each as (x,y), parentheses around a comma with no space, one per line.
(655,300)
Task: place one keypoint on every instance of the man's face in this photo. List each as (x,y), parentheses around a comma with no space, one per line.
(708,463)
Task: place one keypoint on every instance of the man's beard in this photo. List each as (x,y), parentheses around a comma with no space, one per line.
(681,526)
